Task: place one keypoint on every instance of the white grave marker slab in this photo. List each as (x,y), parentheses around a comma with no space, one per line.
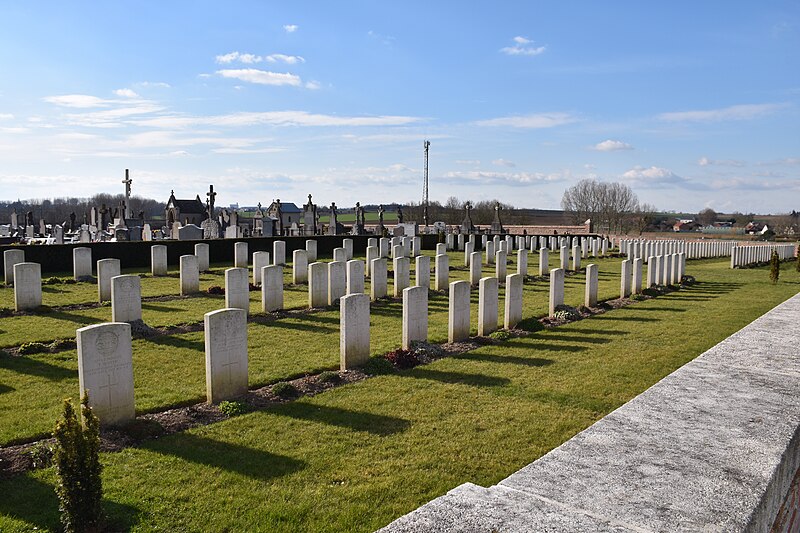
(513,301)
(158,260)
(237,289)
(27,286)
(459,313)
(299,267)
(106,269)
(415,315)
(126,298)
(11,258)
(201,251)
(378,279)
(354,330)
(81,263)
(487,305)
(226,353)
(271,288)
(190,275)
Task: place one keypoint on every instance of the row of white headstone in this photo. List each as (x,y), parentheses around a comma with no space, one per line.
(667,269)
(700,249)
(750,254)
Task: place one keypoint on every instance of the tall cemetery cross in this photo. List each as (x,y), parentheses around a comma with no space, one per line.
(211,195)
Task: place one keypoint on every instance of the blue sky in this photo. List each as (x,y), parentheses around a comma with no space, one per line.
(693,104)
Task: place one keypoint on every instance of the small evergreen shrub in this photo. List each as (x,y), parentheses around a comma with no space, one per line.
(79,488)
(530,324)
(500,335)
(377,366)
(329,376)
(285,389)
(774,267)
(233,408)
(33,347)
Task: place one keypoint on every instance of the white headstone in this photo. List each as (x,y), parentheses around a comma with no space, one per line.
(637,275)
(378,278)
(487,305)
(260,260)
(590,299)
(158,260)
(81,263)
(564,256)
(240,254)
(311,250)
(106,269)
(441,248)
(317,285)
(271,288)
(354,330)
(347,244)
(415,314)
(490,251)
(147,233)
(226,353)
(513,301)
(337,281)
(383,244)
(27,286)
(522,261)
(237,289)
(459,313)
(373,252)
(576,258)
(299,267)
(126,298)
(556,289)
(279,252)
(423,270)
(442,272)
(355,276)
(190,275)
(402,275)
(500,264)
(105,370)
(11,258)
(544,261)
(340,255)
(201,251)
(625,279)
(469,249)
(475,269)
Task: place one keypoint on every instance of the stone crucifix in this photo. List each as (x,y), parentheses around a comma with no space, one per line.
(211,196)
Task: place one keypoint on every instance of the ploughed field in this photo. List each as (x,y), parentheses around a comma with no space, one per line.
(355,457)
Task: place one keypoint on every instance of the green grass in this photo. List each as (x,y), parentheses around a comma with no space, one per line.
(356,457)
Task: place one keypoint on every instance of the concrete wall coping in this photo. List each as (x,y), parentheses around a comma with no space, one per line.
(714,446)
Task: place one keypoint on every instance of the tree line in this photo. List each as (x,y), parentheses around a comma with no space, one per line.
(58,210)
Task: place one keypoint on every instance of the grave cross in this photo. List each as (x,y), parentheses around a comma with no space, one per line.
(211,196)
(108,386)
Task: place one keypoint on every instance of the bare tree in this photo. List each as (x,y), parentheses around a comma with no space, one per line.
(610,206)
(707,216)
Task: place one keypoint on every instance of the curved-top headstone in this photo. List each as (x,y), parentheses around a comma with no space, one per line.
(105,370)
(106,269)
(226,354)
(126,298)
(81,263)
(27,286)
(11,258)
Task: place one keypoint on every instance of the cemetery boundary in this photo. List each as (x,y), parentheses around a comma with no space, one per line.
(716,444)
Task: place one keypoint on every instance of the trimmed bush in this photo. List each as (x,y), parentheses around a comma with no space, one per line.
(77,461)
(329,376)
(377,366)
(233,408)
(774,267)
(285,390)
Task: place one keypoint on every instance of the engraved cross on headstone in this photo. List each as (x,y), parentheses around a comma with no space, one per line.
(108,386)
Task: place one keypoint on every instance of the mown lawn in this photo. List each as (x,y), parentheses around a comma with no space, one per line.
(354,458)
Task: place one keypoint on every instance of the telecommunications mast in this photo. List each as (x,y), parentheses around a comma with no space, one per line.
(427,145)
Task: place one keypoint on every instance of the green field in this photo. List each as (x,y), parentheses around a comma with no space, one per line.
(358,456)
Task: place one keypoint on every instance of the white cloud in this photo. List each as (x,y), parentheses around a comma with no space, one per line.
(261,77)
(236,56)
(473,162)
(290,28)
(612,146)
(504,163)
(736,112)
(277,118)
(283,58)
(110,118)
(482,177)
(704,162)
(77,100)
(535,121)
(523,47)
(655,177)
(6,116)
(313,85)
(159,84)
(126,93)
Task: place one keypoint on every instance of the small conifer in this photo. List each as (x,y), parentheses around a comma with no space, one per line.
(774,267)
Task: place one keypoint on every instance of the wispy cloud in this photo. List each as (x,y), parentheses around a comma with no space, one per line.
(704,162)
(6,116)
(611,146)
(313,85)
(653,177)
(290,28)
(484,177)
(159,84)
(126,93)
(231,57)
(77,100)
(261,77)
(283,58)
(504,163)
(736,112)
(277,118)
(523,47)
(535,121)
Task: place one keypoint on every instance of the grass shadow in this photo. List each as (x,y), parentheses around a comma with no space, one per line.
(256,464)
(462,378)
(625,318)
(287,324)
(35,502)
(510,359)
(177,342)
(381,425)
(6,388)
(160,308)
(34,367)
(556,335)
(72,317)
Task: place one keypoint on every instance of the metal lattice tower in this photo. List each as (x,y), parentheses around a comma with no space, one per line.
(427,145)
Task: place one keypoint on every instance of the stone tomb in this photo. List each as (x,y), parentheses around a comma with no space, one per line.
(126,298)
(337,281)
(402,275)
(354,330)
(237,289)
(459,313)
(271,288)
(415,315)
(378,278)
(81,263)
(226,353)
(299,267)
(317,284)
(190,275)
(11,258)
(106,269)
(105,371)
(487,305)
(423,270)
(27,286)
(355,276)
(240,253)
(590,299)
(260,260)
(201,251)
(513,301)
(158,260)
(442,272)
